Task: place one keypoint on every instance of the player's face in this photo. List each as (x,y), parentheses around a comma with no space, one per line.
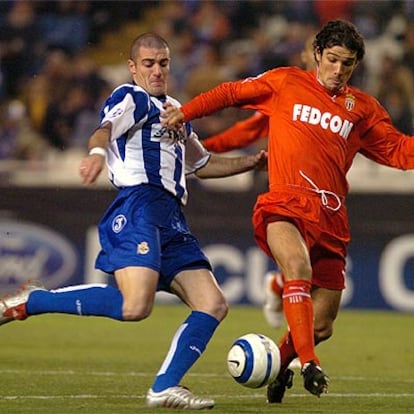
(335,67)
(150,69)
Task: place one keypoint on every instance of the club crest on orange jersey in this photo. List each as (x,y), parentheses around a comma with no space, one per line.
(349,102)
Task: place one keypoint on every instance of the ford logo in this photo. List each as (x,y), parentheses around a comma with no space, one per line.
(31,251)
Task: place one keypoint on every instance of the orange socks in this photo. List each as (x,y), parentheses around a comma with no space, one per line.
(297,305)
(287,351)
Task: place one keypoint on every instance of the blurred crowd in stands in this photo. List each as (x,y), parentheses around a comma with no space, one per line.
(60,59)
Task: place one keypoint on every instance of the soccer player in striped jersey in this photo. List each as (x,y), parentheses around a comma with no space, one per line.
(146,242)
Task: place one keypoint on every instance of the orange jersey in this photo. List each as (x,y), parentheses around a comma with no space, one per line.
(310,130)
(313,138)
(240,135)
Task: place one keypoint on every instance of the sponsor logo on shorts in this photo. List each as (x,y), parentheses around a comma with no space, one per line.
(143,248)
(118,223)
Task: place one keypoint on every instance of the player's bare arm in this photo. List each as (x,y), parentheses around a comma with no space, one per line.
(226,166)
(92,165)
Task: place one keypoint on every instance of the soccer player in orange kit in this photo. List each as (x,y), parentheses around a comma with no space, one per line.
(240,135)
(317,124)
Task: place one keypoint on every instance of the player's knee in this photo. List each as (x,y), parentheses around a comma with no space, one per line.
(298,267)
(323,332)
(218,309)
(222,310)
(136,313)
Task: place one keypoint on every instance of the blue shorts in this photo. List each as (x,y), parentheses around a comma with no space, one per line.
(145,226)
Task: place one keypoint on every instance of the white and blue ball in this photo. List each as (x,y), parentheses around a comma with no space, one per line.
(253,360)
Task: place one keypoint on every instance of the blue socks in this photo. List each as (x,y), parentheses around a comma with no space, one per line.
(188,344)
(88,300)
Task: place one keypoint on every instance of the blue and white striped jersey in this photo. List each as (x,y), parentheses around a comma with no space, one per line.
(141,150)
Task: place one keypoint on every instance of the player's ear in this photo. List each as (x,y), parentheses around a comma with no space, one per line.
(132,67)
(318,56)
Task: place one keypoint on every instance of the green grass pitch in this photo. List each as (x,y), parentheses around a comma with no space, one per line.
(59,364)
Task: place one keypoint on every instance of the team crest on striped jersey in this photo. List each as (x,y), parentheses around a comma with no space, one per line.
(349,102)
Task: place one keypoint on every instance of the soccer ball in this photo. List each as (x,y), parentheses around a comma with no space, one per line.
(253,360)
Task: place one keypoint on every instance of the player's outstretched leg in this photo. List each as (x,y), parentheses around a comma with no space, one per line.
(273,304)
(314,379)
(84,300)
(177,397)
(13,306)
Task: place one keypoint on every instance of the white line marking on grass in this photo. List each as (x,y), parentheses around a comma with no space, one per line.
(71,397)
(71,372)
(151,374)
(376,379)
(250,396)
(370,395)
(95,373)
(332,395)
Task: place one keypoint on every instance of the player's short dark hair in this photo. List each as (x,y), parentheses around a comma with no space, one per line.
(340,33)
(149,39)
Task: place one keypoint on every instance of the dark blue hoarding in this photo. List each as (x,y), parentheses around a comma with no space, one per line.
(50,234)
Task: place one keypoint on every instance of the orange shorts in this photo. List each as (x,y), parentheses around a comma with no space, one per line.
(326,232)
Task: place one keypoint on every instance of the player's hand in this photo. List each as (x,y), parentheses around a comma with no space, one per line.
(260,160)
(90,168)
(172,117)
